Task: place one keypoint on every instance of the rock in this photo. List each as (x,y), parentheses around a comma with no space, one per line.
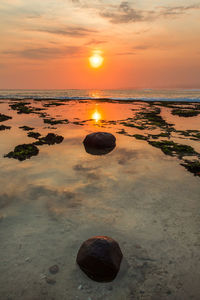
(99,143)
(50,139)
(22,152)
(50,281)
(100,258)
(54,269)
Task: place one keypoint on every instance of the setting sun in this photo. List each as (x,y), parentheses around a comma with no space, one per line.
(96,60)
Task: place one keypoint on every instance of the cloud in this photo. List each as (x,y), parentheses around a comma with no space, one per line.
(46,53)
(125,13)
(69,31)
(177,10)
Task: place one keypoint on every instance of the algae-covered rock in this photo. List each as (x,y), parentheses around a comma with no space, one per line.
(26,128)
(34,135)
(3,127)
(50,139)
(99,258)
(22,108)
(185,112)
(22,152)
(171,148)
(192,166)
(4,117)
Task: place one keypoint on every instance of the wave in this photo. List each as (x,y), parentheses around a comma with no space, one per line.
(128,99)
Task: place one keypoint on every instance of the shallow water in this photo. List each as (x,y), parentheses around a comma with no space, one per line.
(136,194)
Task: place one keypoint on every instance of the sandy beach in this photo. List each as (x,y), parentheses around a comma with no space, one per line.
(144,194)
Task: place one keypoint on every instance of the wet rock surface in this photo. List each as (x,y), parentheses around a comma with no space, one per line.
(99,258)
(99,143)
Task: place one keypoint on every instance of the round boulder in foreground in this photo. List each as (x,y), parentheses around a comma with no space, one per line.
(100,258)
(99,143)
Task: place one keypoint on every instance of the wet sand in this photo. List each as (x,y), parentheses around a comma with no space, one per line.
(138,195)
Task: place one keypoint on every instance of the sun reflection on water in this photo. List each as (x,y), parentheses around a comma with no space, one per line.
(96,116)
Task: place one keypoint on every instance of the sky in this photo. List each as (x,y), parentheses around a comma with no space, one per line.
(145,44)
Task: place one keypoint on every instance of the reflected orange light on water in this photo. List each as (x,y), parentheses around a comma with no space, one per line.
(96,116)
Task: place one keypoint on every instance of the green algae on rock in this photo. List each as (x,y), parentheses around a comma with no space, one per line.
(171,148)
(50,139)
(52,121)
(185,112)
(34,135)
(26,128)
(3,127)
(22,152)
(4,117)
(140,137)
(192,166)
(21,107)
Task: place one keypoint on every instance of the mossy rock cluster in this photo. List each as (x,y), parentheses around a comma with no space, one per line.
(4,117)
(34,135)
(49,139)
(185,112)
(21,107)
(52,121)
(192,166)
(24,151)
(26,128)
(171,148)
(3,127)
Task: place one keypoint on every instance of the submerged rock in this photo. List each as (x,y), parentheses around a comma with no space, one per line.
(99,143)
(54,269)
(22,152)
(100,258)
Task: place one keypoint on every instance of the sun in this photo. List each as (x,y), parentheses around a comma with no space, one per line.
(96,60)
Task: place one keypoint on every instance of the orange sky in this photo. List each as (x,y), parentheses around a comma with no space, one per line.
(46,44)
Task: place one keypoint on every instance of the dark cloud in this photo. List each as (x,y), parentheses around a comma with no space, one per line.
(69,31)
(46,53)
(125,13)
(177,10)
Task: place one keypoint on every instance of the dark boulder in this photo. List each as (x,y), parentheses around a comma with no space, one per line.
(99,143)
(100,258)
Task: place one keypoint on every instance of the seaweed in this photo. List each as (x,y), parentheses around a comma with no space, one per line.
(22,152)
(4,117)
(49,139)
(192,166)
(26,128)
(21,107)
(153,118)
(140,137)
(34,135)
(171,148)
(185,112)
(3,127)
(52,121)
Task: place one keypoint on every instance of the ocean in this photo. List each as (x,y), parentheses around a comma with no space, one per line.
(55,192)
(188,95)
